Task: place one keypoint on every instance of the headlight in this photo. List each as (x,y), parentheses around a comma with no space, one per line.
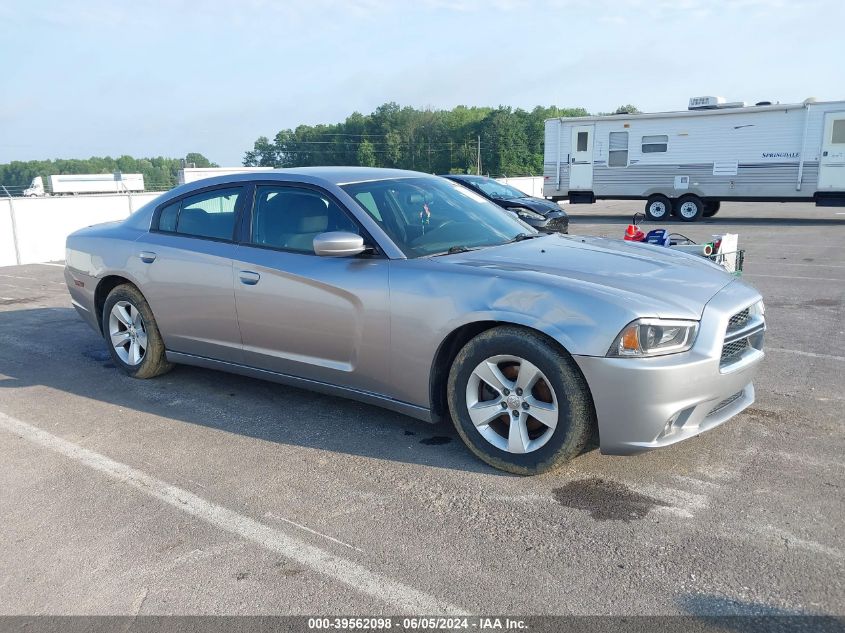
(759,308)
(527,214)
(654,337)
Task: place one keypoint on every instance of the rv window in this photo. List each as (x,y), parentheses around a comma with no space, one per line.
(617,155)
(582,141)
(838,133)
(654,144)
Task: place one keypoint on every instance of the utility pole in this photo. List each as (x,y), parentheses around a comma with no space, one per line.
(478,158)
(14,227)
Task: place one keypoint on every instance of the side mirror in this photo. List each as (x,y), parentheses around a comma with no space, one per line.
(338,244)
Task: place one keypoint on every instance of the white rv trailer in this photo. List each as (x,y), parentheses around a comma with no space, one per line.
(687,162)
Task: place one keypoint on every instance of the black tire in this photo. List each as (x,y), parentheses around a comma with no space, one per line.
(684,204)
(711,208)
(576,415)
(658,208)
(153,362)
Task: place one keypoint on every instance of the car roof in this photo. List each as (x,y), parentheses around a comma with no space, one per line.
(336,175)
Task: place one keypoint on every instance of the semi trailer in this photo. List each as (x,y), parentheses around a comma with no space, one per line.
(63,184)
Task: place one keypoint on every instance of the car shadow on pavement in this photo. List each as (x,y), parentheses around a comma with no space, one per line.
(719,613)
(52,347)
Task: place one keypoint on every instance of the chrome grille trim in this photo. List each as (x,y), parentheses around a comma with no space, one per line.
(743,333)
(738,321)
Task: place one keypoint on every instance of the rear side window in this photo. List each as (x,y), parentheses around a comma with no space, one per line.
(210,214)
(168,217)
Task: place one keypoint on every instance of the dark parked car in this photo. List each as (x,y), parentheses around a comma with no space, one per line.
(544,215)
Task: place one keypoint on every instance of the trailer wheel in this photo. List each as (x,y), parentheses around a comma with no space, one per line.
(658,207)
(689,208)
(711,208)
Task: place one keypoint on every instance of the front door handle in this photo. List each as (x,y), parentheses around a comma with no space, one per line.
(148,257)
(249,278)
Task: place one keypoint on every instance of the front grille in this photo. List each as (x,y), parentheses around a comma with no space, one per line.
(738,320)
(725,403)
(732,350)
(744,332)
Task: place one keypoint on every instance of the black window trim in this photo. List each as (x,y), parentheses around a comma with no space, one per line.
(243,229)
(239,208)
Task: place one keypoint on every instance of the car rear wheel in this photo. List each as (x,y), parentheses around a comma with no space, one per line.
(132,334)
(658,207)
(519,402)
(689,208)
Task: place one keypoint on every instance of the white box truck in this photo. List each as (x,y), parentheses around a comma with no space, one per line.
(685,163)
(86,183)
(192,174)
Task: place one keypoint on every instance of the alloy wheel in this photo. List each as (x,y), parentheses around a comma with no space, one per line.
(512,404)
(127,333)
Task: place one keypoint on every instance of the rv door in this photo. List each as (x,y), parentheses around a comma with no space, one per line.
(581,157)
(832,163)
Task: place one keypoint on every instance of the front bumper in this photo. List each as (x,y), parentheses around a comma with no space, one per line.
(646,403)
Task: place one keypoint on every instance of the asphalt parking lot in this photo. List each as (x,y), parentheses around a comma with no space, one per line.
(206,493)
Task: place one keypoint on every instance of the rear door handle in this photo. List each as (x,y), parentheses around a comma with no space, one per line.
(148,257)
(249,278)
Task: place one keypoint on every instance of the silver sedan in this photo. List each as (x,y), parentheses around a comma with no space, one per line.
(413,293)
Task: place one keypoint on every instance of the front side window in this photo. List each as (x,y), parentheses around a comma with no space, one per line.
(496,189)
(289,218)
(618,150)
(655,144)
(210,214)
(429,216)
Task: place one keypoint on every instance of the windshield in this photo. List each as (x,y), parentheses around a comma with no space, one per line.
(429,216)
(498,190)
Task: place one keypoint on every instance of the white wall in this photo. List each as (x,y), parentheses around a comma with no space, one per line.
(44,223)
(532,185)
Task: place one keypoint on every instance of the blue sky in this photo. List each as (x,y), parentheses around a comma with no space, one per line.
(166,78)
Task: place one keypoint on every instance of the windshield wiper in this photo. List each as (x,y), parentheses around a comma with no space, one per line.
(523,236)
(453,250)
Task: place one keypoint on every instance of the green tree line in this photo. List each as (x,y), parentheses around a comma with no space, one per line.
(435,141)
(159,173)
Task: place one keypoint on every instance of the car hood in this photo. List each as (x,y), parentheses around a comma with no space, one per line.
(535,204)
(651,280)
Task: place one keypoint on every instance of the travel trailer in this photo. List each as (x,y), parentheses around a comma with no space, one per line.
(685,163)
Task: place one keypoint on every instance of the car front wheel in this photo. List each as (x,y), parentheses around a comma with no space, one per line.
(132,335)
(519,402)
